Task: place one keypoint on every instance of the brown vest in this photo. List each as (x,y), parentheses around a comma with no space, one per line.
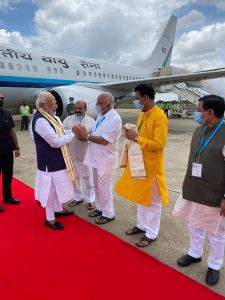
(210,188)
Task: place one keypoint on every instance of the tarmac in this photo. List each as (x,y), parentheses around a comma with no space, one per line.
(173,239)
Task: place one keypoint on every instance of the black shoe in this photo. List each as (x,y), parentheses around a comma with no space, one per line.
(1,209)
(56,225)
(186,260)
(212,276)
(64,213)
(11,201)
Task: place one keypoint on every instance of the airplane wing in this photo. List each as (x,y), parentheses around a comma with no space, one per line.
(165,80)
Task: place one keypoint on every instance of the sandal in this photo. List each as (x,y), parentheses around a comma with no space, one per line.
(144,242)
(134,230)
(104,220)
(95,213)
(75,202)
(91,206)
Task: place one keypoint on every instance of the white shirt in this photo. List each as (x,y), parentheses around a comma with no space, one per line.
(105,156)
(44,129)
(78,148)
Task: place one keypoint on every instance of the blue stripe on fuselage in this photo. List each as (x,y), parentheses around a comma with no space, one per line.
(31,82)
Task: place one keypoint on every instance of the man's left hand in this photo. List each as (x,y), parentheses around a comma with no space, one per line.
(130,134)
(17,153)
(222,208)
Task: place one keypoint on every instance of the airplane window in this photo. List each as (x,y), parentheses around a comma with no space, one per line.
(100,75)
(108,76)
(60,70)
(84,73)
(90,74)
(95,74)
(112,76)
(54,70)
(123,77)
(2,65)
(35,68)
(104,75)
(120,77)
(19,67)
(27,68)
(78,73)
(48,69)
(127,77)
(134,77)
(130,77)
(10,65)
(116,76)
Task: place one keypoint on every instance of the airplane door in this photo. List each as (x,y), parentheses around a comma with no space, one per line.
(78,73)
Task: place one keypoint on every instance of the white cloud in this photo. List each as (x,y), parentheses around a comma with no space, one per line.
(14,38)
(192,18)
(6,4)
(200,48)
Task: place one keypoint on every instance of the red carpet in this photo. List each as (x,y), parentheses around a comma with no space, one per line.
(81,262)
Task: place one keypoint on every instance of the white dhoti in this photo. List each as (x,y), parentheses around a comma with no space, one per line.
(148,217)
(103,183)
(202,220)
(52,189)
(88,191)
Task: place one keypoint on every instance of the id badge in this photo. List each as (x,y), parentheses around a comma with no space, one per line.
(197,170)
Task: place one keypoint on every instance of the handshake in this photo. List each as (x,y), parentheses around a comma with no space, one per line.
(80,132)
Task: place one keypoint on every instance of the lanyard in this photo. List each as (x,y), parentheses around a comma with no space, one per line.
(204,144)
(100,120)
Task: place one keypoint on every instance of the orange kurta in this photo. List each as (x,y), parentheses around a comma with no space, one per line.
(152,126)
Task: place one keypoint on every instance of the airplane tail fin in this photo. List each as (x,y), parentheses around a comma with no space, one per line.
(161,54)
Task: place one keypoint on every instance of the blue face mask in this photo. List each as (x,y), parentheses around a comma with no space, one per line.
(137,104)
(98,109)
(198,117)
(79,118)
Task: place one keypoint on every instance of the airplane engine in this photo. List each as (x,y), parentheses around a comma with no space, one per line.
(63,93)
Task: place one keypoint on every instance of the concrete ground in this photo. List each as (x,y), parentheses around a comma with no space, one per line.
(173,240)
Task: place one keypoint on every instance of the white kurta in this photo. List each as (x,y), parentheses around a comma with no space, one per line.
(44,180)
(104,160)
(105,156)
(78,148)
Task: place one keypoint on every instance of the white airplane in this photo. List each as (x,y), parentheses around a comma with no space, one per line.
(24,73)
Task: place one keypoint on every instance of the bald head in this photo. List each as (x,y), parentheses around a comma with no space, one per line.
(105,101)
(46,101)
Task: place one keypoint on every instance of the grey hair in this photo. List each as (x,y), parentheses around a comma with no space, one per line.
(41,98)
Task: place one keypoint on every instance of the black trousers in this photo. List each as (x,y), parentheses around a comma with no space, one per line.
(6,169)
(24,122)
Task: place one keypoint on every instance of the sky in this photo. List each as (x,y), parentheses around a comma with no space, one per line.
(121,31)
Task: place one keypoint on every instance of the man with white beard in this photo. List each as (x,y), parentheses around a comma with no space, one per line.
(55,179)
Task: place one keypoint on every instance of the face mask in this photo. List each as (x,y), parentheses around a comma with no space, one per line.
(138,105)
(198,117)
(98,109)
(79,118)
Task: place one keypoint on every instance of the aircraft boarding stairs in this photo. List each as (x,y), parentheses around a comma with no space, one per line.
(191,94)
